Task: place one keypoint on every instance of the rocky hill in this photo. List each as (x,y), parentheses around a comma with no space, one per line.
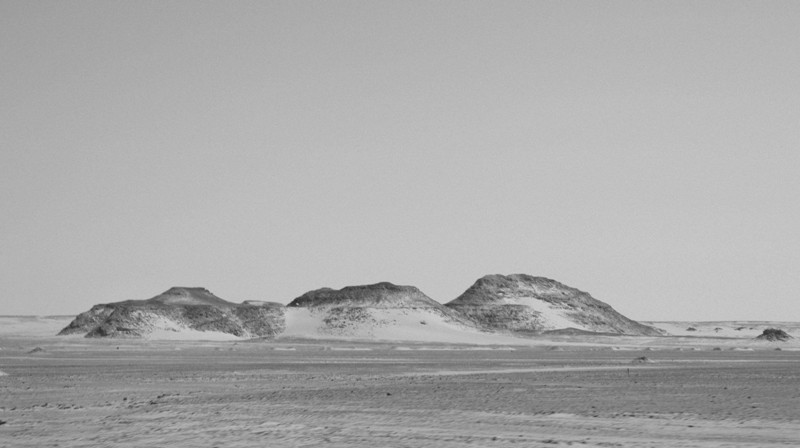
(379,311)
(525,304)
(774,334)
(514,305)
(179,310)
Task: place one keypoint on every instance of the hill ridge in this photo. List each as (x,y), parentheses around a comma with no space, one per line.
(519,304)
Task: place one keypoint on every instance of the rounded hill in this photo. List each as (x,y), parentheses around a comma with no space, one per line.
(379,295)
(526,304)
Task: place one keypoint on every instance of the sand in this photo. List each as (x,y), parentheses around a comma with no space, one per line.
(253,395)
(298,392)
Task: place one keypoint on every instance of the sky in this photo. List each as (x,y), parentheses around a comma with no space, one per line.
(645,152)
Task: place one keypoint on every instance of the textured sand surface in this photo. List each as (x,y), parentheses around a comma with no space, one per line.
(80,392)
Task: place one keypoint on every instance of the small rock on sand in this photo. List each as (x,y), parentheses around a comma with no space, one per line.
(774,334)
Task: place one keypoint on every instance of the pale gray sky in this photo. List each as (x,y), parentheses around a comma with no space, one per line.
(645,152)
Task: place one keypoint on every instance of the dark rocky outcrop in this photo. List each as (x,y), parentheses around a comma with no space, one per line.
(774,334)
(525,304)
(642,360)
(176,309)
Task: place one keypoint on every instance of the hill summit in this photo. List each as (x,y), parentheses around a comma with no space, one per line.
(178,295)
(523,303)
(179,310)
(379,295)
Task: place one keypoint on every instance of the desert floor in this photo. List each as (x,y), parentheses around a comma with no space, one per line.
(80,392)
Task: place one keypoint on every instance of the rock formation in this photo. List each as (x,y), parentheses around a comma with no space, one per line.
(379,295)
(176,310)
(774,334)
(642,360)
(517,304)
(363,311)
(525,304)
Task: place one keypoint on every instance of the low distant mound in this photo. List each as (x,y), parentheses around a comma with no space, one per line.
(642,360)
(178,312)
(379,311)
(525,304)
(774,334)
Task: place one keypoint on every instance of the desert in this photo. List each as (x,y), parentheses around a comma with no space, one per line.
(450,223)
(706,390)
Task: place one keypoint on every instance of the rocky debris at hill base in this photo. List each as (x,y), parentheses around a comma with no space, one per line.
(179,309)
(774,335)
(524,304)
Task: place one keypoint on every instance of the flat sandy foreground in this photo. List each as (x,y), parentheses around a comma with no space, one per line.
(80,392)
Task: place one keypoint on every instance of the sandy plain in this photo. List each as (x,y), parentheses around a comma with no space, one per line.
(697,392)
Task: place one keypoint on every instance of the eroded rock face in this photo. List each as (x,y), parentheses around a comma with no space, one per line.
(522,303)
(179,309)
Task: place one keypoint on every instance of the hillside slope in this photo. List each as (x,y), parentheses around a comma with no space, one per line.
(521,303)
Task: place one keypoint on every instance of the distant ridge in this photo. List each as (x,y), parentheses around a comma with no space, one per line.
(522,303)
(518,305)
(179,309)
